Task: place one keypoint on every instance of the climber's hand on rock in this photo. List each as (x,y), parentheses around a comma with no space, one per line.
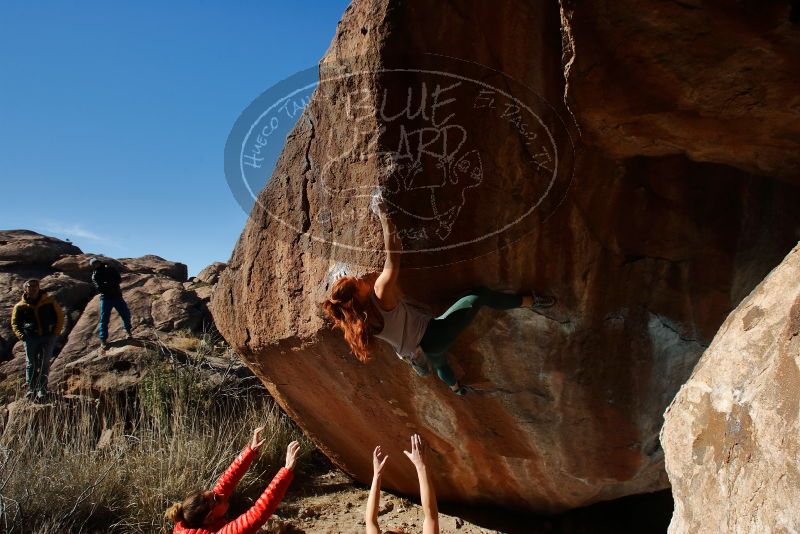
(377,203)
(378,461)
(417,454)
(257,442)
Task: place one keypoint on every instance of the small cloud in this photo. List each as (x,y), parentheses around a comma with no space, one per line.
(76,230)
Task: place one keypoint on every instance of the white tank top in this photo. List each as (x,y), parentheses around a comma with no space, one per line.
(403,327)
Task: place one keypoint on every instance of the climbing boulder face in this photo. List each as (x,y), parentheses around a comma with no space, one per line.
(717,82)
(732,434)
(456,110)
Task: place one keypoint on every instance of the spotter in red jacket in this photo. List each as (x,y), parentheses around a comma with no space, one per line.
(250,521)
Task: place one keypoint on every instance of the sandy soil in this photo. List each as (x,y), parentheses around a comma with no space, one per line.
(333,505)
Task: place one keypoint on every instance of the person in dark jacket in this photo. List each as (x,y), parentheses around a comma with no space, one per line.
(37,320)
(106,280)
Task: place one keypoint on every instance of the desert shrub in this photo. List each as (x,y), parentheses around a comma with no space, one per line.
(115,465)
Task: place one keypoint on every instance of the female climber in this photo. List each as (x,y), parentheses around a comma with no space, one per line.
(427,496)
(203,512)
(372,306)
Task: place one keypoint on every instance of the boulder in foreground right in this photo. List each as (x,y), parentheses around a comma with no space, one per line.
(732,434)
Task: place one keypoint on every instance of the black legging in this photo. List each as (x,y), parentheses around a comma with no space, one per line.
(442,331)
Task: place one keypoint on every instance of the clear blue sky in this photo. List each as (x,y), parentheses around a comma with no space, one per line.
(114,116)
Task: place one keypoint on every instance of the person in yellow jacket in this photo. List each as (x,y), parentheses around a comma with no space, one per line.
(37,321)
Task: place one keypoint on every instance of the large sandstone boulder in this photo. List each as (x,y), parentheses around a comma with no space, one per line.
(646,248)
(715,81)
(732,434)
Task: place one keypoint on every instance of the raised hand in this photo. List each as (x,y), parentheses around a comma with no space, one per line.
(291,455)
(418,450)
(378,461)
(427,494)
(257,442)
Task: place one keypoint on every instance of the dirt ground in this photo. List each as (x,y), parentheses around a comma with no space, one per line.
(332,504)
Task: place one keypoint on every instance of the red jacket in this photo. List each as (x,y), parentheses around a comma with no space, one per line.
(250,521)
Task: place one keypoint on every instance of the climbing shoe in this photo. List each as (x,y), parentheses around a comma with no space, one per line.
(421,370)
(460,390)
(541,302)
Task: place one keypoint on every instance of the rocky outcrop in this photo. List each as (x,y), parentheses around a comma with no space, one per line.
(649,233)
(28,249)
(732,434)
(121,369)
(203,284)
(159,305)
(162,303)
(210,274)
(77,265)
(25,255)
(152,264)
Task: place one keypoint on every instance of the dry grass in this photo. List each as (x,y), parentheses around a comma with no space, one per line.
(115,465)
(186,343)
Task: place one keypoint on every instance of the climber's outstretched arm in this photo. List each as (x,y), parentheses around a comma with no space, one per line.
(427,495)
(386,284)
(374,501)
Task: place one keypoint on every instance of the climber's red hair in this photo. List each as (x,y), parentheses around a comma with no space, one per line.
(350,315)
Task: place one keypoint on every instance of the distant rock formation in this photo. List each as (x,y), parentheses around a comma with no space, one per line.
(162,301)
(25,255)
(652,183)
(732,434)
